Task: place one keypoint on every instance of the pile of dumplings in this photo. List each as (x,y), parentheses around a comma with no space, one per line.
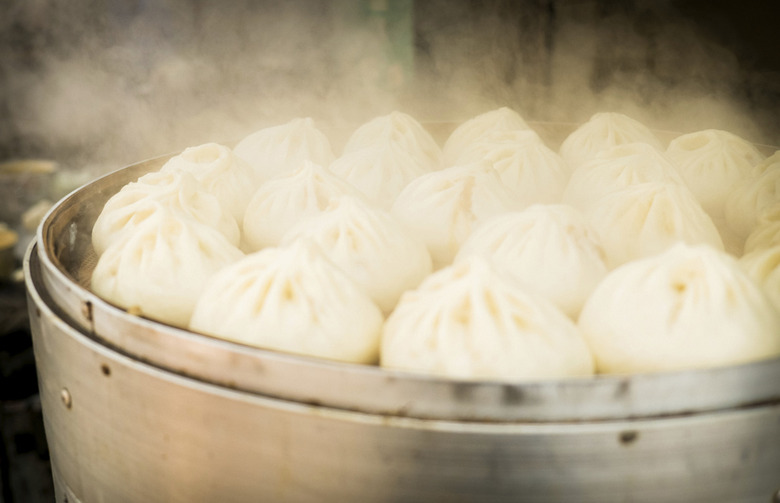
(491,256)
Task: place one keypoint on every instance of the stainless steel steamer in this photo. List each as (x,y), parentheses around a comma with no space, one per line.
(139,411)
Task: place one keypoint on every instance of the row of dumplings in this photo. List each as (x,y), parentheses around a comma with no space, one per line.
(493,256)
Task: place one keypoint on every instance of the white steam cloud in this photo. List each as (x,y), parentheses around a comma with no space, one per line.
(113,82)
(124,85)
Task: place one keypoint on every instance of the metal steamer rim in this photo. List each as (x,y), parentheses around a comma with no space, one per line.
(66,260)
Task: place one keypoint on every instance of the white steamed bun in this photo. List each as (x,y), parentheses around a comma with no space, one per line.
(219,172)
(753,195)
(602,131)
(282,202)
(549,249)
(400,130)
(712,163)
(177,191)
(291,299)
(378,253)
(474,129)
(443,207)
(763,265)
(469,321)
(529,170)
(688,308)
(648,218)
(160,269)
(767,231)
(381,171)
(277,150)
(616,168)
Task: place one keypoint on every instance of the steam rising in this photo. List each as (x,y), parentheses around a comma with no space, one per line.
(112,83)
(125,85)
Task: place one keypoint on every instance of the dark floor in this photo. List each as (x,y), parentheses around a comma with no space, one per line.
(25,473)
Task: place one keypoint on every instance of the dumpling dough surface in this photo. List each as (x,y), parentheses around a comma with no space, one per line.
(753,195)
(401,130)
(763,266)
(283,202)
(476,128)
(529,170)
(767,231)
(176,191)
(370,246)
(443,207)
(468,321)
(162,266)
(617,168)
(688,308)
(381,171)
(549,249)
(291,299)
(712,163)
(219,172)
(604,130)
(648,218)
(277,150)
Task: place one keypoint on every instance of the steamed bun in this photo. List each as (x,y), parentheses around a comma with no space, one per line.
(529,170)
(443,207)
(616,168)
(767,231)
(753,195)
(219,172)
(401,131)
(549,249)
(648,218)
(381,171)
(469,321)
(176,191)
(370,246)
(282,202)
(602,131)
(476,128)
(712,162)
(763,266)
(161,268)
(277,150)
(688,308)
(291,299)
